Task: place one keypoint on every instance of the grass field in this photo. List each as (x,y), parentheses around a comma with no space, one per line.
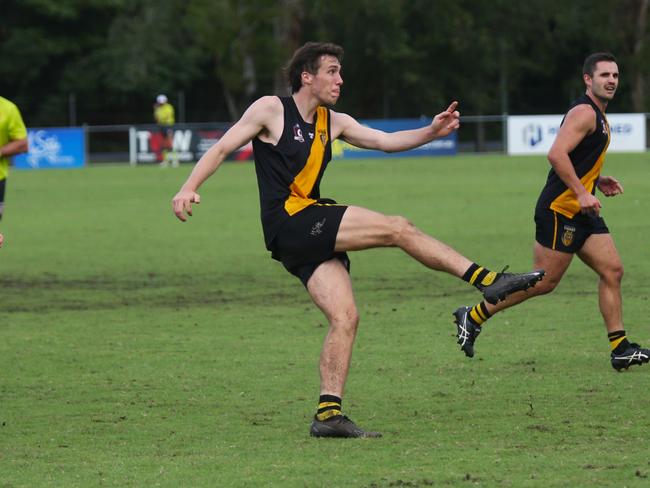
(138,351)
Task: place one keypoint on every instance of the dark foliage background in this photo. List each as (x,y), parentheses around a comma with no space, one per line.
(105,60)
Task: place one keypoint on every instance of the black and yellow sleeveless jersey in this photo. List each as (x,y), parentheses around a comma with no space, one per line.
(289,173)
(587,158)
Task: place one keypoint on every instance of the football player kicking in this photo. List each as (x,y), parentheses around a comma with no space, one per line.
(311,235)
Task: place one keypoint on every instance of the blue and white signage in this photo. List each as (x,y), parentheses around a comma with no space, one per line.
(534,134)
(439,147)
(53,148)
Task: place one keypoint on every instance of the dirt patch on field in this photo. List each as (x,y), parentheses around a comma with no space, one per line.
(51,292)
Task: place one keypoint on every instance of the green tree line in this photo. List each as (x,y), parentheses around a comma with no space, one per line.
(107,59)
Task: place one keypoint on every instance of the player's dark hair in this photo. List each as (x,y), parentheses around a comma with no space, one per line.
(307,58)
(590,63)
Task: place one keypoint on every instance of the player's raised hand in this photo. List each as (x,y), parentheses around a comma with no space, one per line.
(182,203)
(446,122)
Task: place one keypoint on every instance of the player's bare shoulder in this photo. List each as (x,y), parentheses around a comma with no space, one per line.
(270,104)
(581,118)
(579,122)
(264,108)
(340,122)
(268,112)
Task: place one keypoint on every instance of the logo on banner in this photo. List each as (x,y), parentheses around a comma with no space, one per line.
(148,143)
(533,134)
(622,129)
(44,147)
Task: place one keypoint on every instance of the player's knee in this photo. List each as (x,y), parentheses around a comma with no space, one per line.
(346,319)
(619,272)
(547,285)
(401,228)
(614,273)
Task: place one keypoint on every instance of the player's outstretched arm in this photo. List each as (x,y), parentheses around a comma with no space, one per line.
(254,120)
(348,129)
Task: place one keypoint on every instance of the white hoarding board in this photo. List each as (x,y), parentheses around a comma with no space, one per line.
(534,134)
(628,132)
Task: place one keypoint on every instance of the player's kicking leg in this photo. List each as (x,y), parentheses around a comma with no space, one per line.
(363,229)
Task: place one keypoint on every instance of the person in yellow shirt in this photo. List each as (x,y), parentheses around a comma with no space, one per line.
(13,140)
(163,113)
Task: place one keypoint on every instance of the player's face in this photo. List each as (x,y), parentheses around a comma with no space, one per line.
(604,82)
(327,82)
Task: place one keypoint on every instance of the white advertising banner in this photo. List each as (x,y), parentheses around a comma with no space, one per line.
(534,134)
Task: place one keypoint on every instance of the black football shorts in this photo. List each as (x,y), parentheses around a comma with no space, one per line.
(555,231)
(307,239)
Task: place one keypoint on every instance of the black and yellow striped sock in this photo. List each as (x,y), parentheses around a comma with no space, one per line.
(328,407)
(618,340)
(479,276)
(479,314)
